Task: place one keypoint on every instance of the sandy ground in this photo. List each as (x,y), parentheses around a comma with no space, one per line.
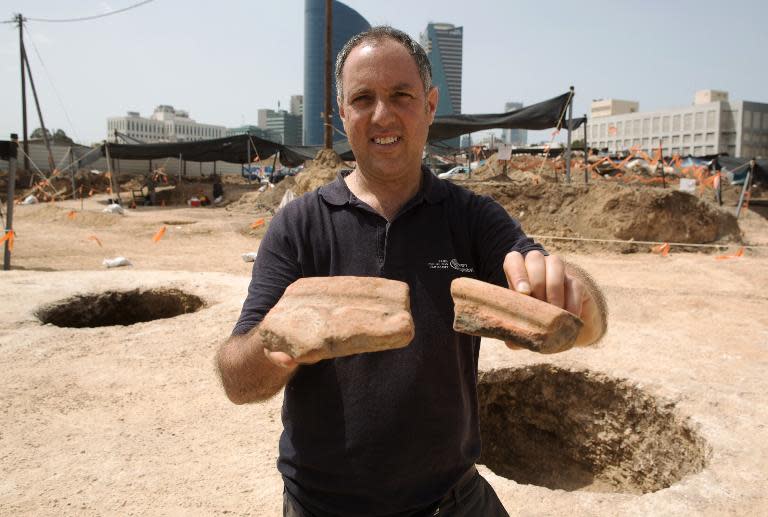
(131,420)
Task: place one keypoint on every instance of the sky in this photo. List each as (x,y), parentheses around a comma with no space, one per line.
(224,60)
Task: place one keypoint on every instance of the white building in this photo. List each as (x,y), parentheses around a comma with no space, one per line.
(713,124)
(164,125)
(518,137)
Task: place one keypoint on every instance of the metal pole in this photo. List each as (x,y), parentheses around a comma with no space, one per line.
(586,152)
(51,163)
(745,189)
(568,148)
(249,159)
(9,200)
(72,170)
(328,140)
(110,168)
(25,141)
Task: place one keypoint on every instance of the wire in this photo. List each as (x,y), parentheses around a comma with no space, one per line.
(53,85)
(85,18)
(621,241)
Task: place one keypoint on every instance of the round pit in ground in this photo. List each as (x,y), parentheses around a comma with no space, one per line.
(579,430)
(119,308)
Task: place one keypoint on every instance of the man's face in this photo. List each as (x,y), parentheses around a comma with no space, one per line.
(385,111)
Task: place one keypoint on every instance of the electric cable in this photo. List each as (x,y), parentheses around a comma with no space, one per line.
(86,18)
(53,85)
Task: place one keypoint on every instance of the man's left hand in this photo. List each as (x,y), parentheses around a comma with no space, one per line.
(548,278)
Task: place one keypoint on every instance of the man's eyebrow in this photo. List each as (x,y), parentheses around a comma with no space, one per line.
(404,86)
(357,91)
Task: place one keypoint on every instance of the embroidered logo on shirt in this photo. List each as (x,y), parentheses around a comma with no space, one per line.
(450,264)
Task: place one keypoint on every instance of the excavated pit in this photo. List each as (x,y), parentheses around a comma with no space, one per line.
(119,308)
(579,430)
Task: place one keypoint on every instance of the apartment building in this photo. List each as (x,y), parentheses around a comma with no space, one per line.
(166,124)
(711,125)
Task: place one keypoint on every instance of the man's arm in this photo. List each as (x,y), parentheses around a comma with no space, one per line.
(249,372)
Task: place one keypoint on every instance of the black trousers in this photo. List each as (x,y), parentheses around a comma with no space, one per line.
(471,497)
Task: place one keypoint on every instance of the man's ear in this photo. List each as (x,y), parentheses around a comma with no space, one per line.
(432,96)
(340,103)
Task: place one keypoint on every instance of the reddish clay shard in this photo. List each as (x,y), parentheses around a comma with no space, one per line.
(324,317)
(487,310)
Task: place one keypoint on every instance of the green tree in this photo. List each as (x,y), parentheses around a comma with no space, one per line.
(38,133)
(58,136)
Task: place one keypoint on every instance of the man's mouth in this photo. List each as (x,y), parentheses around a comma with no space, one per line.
(387,140)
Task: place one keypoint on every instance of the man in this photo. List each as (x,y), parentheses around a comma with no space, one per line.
(395,432)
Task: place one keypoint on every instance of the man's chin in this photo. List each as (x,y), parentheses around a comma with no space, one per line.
(387,168)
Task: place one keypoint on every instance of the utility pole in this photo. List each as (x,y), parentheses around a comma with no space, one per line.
(586,152)
(20,20)
(568,148)
(328,141)
(9,199)
(51,163)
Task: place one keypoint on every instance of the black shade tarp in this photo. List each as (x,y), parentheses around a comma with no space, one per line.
(575,123)
(761,168)
(232,149)
(542,115)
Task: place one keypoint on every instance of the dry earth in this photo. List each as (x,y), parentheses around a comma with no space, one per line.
(667,416)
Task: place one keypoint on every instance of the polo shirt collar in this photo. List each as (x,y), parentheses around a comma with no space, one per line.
(337,193)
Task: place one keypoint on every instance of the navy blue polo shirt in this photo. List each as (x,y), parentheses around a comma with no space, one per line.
(386,432)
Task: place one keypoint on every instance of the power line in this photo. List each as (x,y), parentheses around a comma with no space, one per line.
(85,18)
(53,85)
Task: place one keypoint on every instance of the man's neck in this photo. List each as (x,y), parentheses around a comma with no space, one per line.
(385,197)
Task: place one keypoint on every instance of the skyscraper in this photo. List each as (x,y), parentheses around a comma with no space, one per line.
(443,44)
(346,23)
(514,136)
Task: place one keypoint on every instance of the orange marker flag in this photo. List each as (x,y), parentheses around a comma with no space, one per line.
(257,223)
(72,214)
(739,253)
(9,236)
(661,248)
(96,240)
(159,234)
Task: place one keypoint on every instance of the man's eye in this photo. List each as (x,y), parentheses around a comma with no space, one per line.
(361,98)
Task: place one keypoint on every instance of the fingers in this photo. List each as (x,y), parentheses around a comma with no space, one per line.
(536,265)
(594,324)
(538,275)
(555,281)
(516,273)
(574,295)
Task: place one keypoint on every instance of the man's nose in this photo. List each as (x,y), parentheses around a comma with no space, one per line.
(382,112)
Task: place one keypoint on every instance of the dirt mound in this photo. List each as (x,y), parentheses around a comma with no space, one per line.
(520,166)
(323,169)
(47,213)
(611,211)
(266,201)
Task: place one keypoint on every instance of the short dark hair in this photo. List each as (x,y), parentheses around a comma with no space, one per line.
(380,33)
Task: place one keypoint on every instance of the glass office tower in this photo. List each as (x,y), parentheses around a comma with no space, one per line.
(443,43)
(346,23)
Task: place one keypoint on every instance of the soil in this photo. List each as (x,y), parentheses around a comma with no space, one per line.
(667,416)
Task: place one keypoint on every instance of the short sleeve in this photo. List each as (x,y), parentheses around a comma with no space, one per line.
(275,268)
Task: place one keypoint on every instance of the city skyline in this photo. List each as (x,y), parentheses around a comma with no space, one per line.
(225,72)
